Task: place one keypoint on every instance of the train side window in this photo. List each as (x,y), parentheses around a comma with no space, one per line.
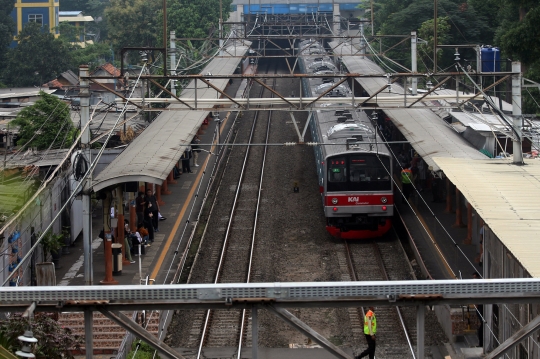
(337,170)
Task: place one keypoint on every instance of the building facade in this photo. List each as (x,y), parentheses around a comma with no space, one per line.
(44,12)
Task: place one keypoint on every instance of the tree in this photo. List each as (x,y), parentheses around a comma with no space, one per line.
(49,118)
(132,23)
(195,18)
(92,55)
(6,28)
(425,53)
(38,58)
(465,25)
(54,341)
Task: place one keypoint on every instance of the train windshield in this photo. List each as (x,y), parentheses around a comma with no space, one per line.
(359,172)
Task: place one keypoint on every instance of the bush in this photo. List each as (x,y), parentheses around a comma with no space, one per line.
(145,351)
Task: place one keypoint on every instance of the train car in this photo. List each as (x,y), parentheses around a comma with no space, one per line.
(354,166)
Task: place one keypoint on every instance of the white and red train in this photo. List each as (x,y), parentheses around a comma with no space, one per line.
(353,165)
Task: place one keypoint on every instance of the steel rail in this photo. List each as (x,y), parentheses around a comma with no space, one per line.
(400,316)
(352,271)
(228,230)
(243,320)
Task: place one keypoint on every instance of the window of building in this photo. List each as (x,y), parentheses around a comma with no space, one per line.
(35,18)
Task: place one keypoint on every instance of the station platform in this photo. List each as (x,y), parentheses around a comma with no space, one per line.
(445,251)
(156,263)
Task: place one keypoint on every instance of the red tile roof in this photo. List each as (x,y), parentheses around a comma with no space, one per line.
(53,84)
(110,69)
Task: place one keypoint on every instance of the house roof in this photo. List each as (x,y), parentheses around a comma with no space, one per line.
(69,77)
(70,13)
(109,68)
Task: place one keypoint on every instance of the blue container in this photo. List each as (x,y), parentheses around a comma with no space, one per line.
(491,59)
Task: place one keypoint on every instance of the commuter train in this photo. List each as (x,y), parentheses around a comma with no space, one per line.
(353,165)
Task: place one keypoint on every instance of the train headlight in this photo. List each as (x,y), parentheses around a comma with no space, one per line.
(384,199)
(334,200)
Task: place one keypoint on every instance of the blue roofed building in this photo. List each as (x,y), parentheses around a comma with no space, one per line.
(44,12)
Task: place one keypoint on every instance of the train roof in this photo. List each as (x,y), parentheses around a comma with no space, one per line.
(429,135)
(351,131)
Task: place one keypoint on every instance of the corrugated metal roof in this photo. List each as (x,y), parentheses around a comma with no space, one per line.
(507,197)
(153,154)
(429,135)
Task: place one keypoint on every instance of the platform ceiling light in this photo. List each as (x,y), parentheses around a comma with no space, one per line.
(28,340)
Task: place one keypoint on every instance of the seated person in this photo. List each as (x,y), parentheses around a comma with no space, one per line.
(144,234)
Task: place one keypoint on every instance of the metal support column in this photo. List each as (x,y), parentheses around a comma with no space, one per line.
(420,330)
(254,333)
(516,110)
(414,66)
(88,333)
(84,94)
(173,61)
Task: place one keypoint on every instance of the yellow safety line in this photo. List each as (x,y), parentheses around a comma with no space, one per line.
(174,230)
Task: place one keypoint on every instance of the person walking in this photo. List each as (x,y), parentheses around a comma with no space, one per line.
(370,329)
(406,182)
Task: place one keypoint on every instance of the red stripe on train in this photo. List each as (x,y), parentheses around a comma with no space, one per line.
(360,200)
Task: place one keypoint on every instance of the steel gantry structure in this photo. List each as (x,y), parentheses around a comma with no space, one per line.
(276,298)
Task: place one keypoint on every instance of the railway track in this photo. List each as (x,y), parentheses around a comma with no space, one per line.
(234,257)
(383,260)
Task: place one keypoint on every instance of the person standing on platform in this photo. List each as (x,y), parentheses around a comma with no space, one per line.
(480,316)
(406,182)
(153,208)
(195,149)
(186,168)
(140,206)
(370,329)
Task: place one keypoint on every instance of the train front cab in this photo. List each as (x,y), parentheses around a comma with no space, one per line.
(358,195)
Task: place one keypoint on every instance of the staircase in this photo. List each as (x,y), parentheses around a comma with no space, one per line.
(107,334)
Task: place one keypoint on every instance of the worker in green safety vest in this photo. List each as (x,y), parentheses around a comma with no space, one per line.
(406,182)
(370,328)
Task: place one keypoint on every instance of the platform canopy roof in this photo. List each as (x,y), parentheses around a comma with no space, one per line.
(154,153)
(506,196)
(429,135)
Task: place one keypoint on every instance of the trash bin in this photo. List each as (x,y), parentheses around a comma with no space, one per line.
(117,258)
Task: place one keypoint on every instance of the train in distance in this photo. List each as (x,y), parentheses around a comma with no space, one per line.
(354,165)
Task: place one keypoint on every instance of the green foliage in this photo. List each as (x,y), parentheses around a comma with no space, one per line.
(144,351)
(50,118)
(51,243)
(7,25)
(197,18)
(520,40)
(38,58)
(133,22)
(70,33)
(425,53)
(54,341)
